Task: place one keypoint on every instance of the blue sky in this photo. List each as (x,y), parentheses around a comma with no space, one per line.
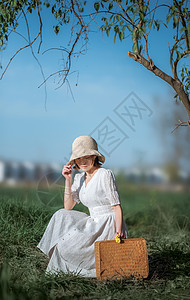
(105,77)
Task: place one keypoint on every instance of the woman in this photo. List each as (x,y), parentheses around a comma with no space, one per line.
(70,235)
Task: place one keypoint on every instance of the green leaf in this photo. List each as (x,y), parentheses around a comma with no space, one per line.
(108,31)
(114,37)
(141,47)
(56,29)
(123,29)
(149,25)
(118,18)
(178,55)
(182,29)
(141,16)
(116,28)
(110,6)
(53,9)
(157,25)
(168,18)
(60,13)
(29,9)
(121,35)
(97,6)
(174,22)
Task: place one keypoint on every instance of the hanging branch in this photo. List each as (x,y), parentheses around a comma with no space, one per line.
(181,124)
(71,52)
(82,27)
(30,43)
(29,39)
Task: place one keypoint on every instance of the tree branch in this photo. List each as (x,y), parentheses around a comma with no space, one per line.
(147,34)
(57,72)
(24,47)
(176,84)
(157,6)
(39,16)
(112,13)
(174,64)
(28,30)
(132,23)
(82,27)
(181,124)
(183,23)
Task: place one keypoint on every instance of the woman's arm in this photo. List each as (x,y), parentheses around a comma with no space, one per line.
(118,219)
(69,203)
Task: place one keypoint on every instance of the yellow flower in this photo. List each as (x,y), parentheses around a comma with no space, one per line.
(117,238)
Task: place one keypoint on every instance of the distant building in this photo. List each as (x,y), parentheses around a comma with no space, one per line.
(21,173)
(2,171)
(13,173)
(149,175)
(156,175)
(133,174)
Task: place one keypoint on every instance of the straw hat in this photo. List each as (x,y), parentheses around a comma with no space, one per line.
(83,146)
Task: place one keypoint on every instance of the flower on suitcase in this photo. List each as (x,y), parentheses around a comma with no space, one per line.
(118,239)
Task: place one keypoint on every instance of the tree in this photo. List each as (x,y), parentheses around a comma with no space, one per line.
(133,19)
(174,150)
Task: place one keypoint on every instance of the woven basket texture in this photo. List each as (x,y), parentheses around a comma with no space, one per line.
(117,260)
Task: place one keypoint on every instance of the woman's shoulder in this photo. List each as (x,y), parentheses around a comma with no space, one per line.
(106,172)
(107,177)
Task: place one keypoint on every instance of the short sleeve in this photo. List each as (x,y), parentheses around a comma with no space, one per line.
(75,188)
(111,188)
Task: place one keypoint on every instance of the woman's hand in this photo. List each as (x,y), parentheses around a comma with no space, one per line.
(121,235)
(67,171)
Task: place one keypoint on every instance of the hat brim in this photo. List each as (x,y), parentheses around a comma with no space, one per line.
(101,157)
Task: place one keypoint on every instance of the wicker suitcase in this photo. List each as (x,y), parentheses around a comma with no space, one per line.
(117,260)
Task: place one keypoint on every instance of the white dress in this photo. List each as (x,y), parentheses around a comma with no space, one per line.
(73,233)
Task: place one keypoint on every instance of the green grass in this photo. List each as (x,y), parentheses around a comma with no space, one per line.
(162,218)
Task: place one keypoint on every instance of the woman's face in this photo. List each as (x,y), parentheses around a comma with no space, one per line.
(86,163)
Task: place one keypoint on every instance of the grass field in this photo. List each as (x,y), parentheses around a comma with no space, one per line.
(162,218)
